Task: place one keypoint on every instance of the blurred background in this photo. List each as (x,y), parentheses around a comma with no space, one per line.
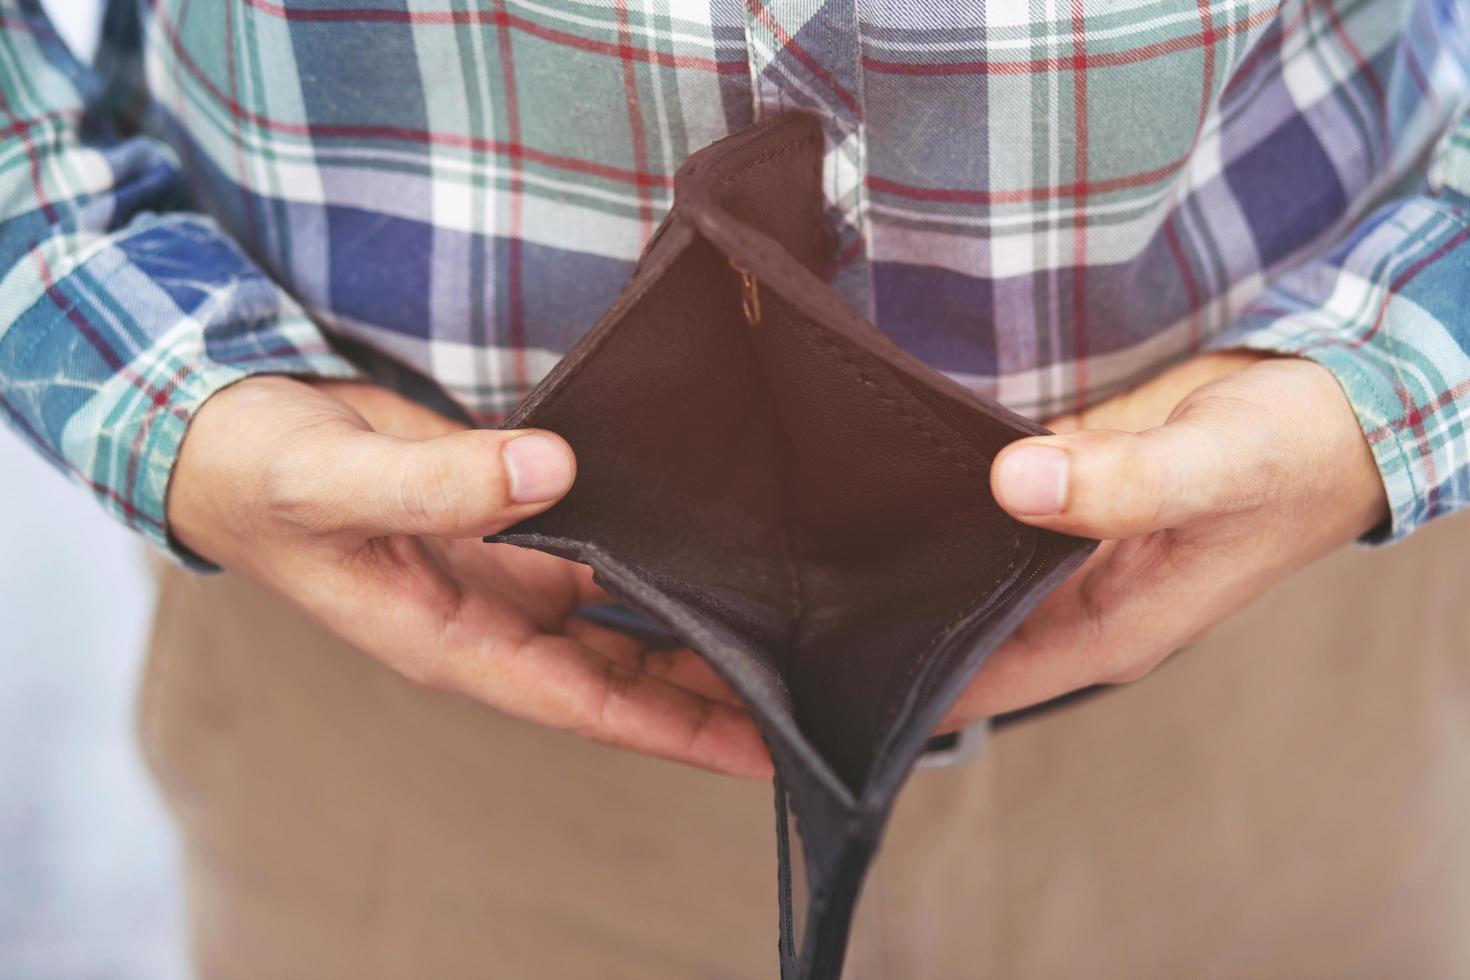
(87,882)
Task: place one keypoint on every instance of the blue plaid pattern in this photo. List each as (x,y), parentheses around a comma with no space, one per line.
(1047,201)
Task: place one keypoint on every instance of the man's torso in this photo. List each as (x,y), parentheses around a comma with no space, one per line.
(1045,201)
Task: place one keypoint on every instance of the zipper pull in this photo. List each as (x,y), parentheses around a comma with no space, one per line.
(750,297)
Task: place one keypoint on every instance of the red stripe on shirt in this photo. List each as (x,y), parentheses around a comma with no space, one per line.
(33,157)
(635,118)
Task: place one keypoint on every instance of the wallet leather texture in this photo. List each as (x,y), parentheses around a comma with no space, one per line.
(765,474)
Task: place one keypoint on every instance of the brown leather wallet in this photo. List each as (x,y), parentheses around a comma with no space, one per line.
(765,474)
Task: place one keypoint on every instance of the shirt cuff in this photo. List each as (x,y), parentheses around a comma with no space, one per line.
(1386,313)
(151,416)
(109,344)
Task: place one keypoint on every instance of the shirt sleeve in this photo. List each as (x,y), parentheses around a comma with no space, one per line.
(119,313)
(1388,312)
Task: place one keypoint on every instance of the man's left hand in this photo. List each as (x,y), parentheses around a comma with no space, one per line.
(1208,485)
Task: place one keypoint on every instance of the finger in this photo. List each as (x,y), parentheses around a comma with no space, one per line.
(682,667)
(463,484)
(1108,484)
(557,681)
(1128,608)
(545,587)
(1020,674)
(1052,652)
(406,612)
(591,593)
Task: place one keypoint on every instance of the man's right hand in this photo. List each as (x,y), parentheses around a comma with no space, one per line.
(365,510)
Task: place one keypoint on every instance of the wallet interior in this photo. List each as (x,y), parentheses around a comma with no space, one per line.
(763,472)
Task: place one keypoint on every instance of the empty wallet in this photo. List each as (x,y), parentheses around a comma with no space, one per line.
(766,475)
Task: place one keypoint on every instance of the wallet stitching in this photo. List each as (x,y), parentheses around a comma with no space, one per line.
(939,636)
(772,154)
(793,577)
(766,157)
(943,446)
(949,452)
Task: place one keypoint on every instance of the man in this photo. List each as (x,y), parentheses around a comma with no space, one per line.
(1222,245)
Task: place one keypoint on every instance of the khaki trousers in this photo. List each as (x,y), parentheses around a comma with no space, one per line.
(1288,798)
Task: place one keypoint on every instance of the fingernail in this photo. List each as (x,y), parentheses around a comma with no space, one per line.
(540,468)
(1033,481)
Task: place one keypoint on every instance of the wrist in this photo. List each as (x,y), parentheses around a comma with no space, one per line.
(215,476)
(1331,439)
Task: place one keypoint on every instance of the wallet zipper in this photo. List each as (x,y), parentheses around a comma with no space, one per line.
(1040,563)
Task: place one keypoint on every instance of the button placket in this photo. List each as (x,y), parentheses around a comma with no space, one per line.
(806,55)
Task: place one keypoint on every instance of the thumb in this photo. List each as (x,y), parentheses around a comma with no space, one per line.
(1107,484)
(464,484)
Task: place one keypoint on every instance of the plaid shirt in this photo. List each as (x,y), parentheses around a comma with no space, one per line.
(1047,201)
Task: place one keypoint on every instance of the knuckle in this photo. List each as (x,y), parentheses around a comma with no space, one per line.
(1130,673)
(1117,484)
(599,719)
(439,666)
(1093,606)
(1131,665)
(426,672)
(700,727)
(1156,485)
(1257,441)
(430,493)
(1116,660)
(487,474)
